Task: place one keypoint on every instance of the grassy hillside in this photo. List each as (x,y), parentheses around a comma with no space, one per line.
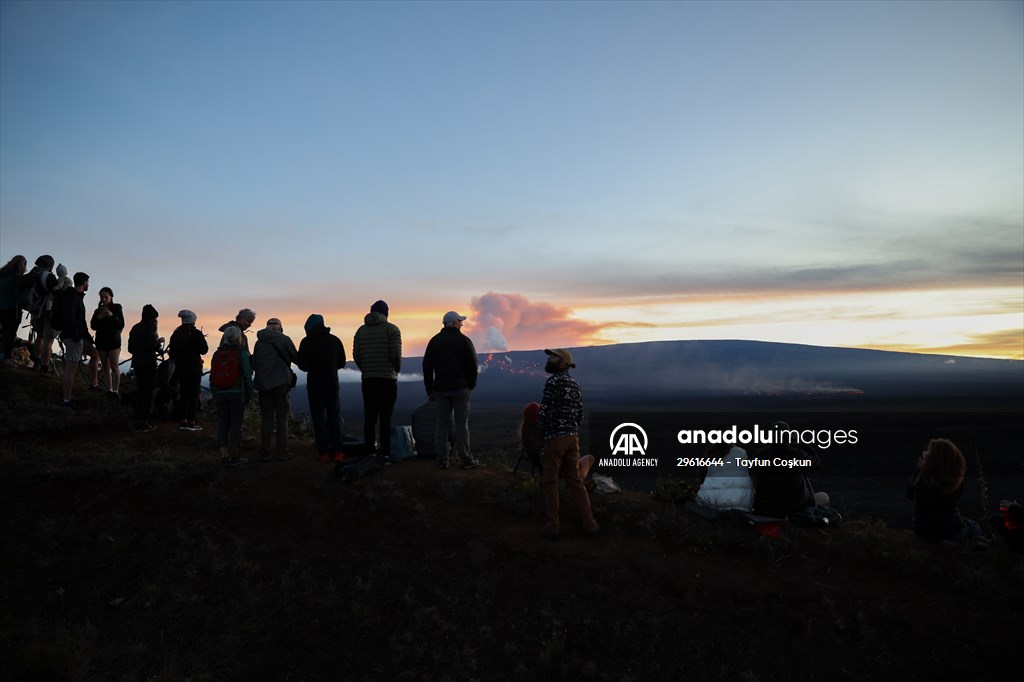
(138,557)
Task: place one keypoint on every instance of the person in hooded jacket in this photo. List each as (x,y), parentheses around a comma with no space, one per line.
(231,400)
(377,349)
(144,342)
(321,355)
(272,358)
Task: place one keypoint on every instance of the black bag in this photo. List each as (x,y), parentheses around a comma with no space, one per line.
(353,469)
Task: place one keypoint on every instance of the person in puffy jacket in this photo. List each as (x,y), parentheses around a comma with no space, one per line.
(377,349)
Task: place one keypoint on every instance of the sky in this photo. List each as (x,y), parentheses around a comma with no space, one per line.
(562,173)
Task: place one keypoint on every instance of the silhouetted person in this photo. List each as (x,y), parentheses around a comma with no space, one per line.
(187,348)
(937,485)
(377,350)
(144,343)
(783,490)
(450,374)
(272,360)
(321,355)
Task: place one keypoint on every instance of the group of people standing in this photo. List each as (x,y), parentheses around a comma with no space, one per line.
(57,310)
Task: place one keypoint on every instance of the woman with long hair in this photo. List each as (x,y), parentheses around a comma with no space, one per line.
(938,484)
(108,323)
(10,312)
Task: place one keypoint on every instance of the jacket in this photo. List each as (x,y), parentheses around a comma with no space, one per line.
(561,410)
(187,348)
(144,343)
(377,348)
(108,328)
(321,355)
(271,359)
(449,363)
(74,326)
(728,486)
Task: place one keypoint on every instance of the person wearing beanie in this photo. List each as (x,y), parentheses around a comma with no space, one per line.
(377,350)
(187,348)
(450,374)
(144,343)
(321,355)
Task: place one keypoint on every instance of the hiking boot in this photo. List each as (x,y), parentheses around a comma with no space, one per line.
(96,388)
(323,458)
(442,464)
(593,532)
(387,460)
(235,461)
(265,456)
(339,457)
(466,466)
(225,461)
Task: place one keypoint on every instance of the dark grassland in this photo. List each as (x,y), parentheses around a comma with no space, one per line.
(138,557)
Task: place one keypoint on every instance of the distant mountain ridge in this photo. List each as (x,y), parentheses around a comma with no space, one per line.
(660,371)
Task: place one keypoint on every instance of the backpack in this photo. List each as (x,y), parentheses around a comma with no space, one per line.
(32,291)
(224,368)
(57,310)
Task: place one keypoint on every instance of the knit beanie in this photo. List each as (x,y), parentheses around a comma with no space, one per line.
(149,312)
(380,307)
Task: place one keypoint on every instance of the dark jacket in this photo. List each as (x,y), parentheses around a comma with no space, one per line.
(321,355)
(144,342)
(377,348)
(449,363)
(108,327)
(74,327)
(936,516)
(271,359)
(780,491)
(187,348)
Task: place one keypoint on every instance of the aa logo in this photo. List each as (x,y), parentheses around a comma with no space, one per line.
(628,439)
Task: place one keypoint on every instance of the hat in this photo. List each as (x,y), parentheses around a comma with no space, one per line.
(62,271)
(380,307)
(246,313)
(149,312)
(562,353)
(452,316)
(46,262)
(187,316)
(531,413)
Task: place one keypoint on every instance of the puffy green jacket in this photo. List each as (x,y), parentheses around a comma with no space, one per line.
(377,348)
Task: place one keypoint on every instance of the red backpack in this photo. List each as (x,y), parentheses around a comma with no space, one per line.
(224,368)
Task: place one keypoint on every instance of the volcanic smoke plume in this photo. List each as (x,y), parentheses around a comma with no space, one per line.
(499,322)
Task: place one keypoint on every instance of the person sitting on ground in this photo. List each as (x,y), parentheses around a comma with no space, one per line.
(424,429)
(727,486)
(231,399)
(187,348)
(144,343)
(1009,523)
(782,490)
(271,361)
(530,444)
(10,311)
(937,484)
(108,322)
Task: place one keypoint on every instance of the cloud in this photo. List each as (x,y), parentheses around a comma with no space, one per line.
(500,322)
